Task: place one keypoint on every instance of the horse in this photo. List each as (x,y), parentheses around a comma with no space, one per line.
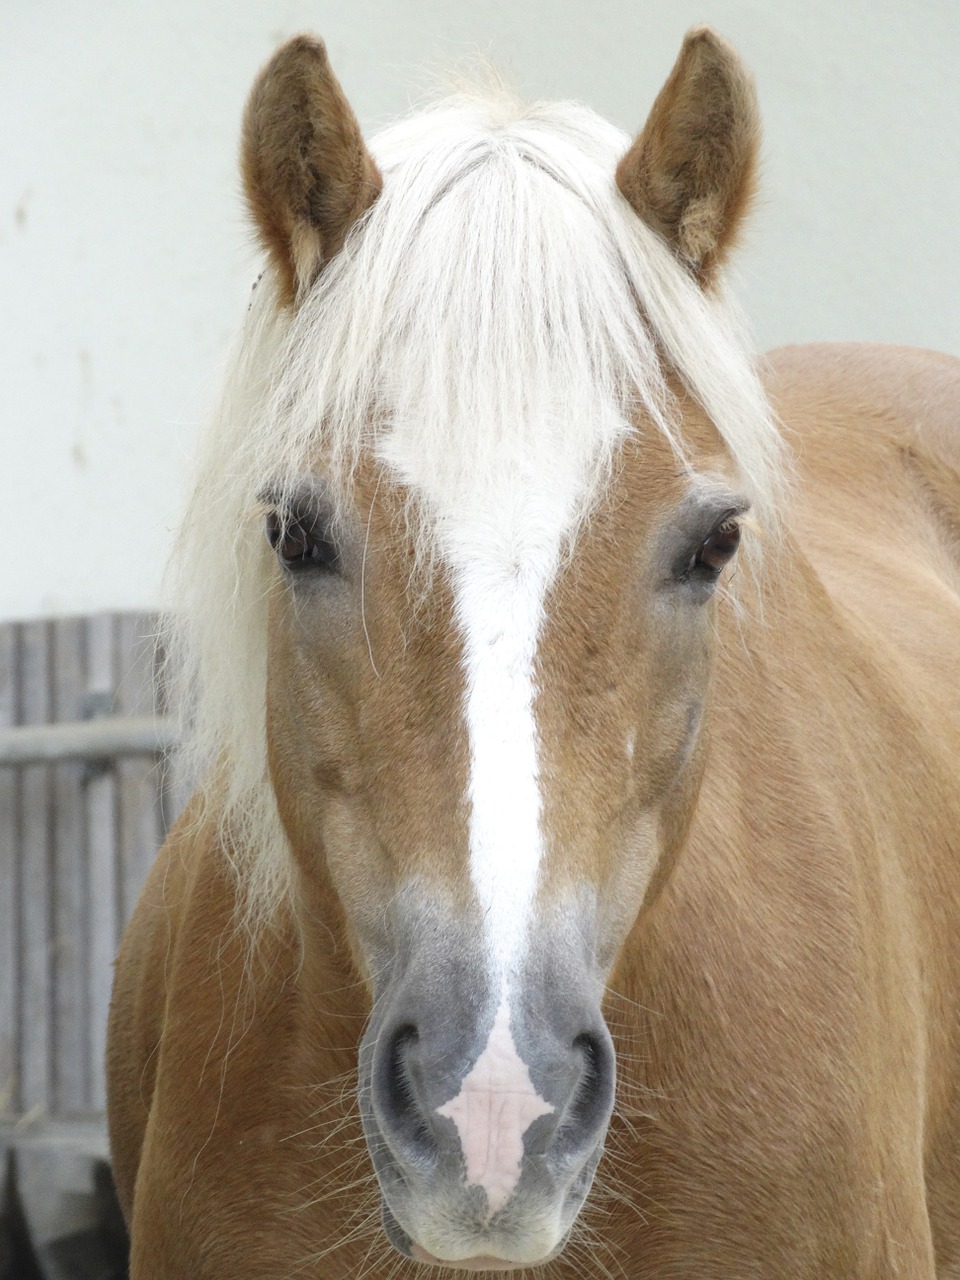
(572,881)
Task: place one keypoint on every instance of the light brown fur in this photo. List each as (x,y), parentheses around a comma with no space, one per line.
(691,173)
(306,171)
(785,1008)
(782,902)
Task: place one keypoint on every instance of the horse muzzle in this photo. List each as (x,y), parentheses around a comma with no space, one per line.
(484,1116)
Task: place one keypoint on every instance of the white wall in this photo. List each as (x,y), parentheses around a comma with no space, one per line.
(125,261)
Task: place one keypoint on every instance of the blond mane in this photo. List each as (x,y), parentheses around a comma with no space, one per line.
(499,304)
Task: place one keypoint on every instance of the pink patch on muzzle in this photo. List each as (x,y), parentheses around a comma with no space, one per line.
(496,1105)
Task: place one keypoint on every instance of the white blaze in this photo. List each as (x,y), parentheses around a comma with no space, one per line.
(500,613)
(500,610)
(501,518)
(501,529)
(496,1105)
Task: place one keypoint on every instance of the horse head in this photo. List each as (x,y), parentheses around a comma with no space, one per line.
(502,492)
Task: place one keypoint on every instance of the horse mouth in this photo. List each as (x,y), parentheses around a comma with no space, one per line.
(481,1262)
(407,1246)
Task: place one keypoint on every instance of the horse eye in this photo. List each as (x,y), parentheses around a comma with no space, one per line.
(719,549)
(302,542)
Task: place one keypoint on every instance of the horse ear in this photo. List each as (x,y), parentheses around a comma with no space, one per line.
(690,174)
(306,171)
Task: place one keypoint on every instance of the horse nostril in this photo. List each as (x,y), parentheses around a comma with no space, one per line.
(400,1094)
(594,1093)
(399,1088)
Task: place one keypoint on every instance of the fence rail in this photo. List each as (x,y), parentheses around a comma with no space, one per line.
(98,740)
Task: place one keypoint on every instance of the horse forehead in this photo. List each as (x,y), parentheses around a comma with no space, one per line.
(501,560)
(482,584)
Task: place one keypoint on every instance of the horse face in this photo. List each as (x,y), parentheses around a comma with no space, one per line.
(489,763)
(491,830)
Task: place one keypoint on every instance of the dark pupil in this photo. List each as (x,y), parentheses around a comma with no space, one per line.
(301,542)
(720,548)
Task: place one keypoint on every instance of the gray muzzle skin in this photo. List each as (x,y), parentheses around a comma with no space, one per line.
(432,1021)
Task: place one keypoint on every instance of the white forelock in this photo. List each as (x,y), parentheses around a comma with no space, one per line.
(497,313)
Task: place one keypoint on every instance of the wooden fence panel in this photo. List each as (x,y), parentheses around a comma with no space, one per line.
(102,854)
(71,1085)
(9,887)
(76,841)
(36,884)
